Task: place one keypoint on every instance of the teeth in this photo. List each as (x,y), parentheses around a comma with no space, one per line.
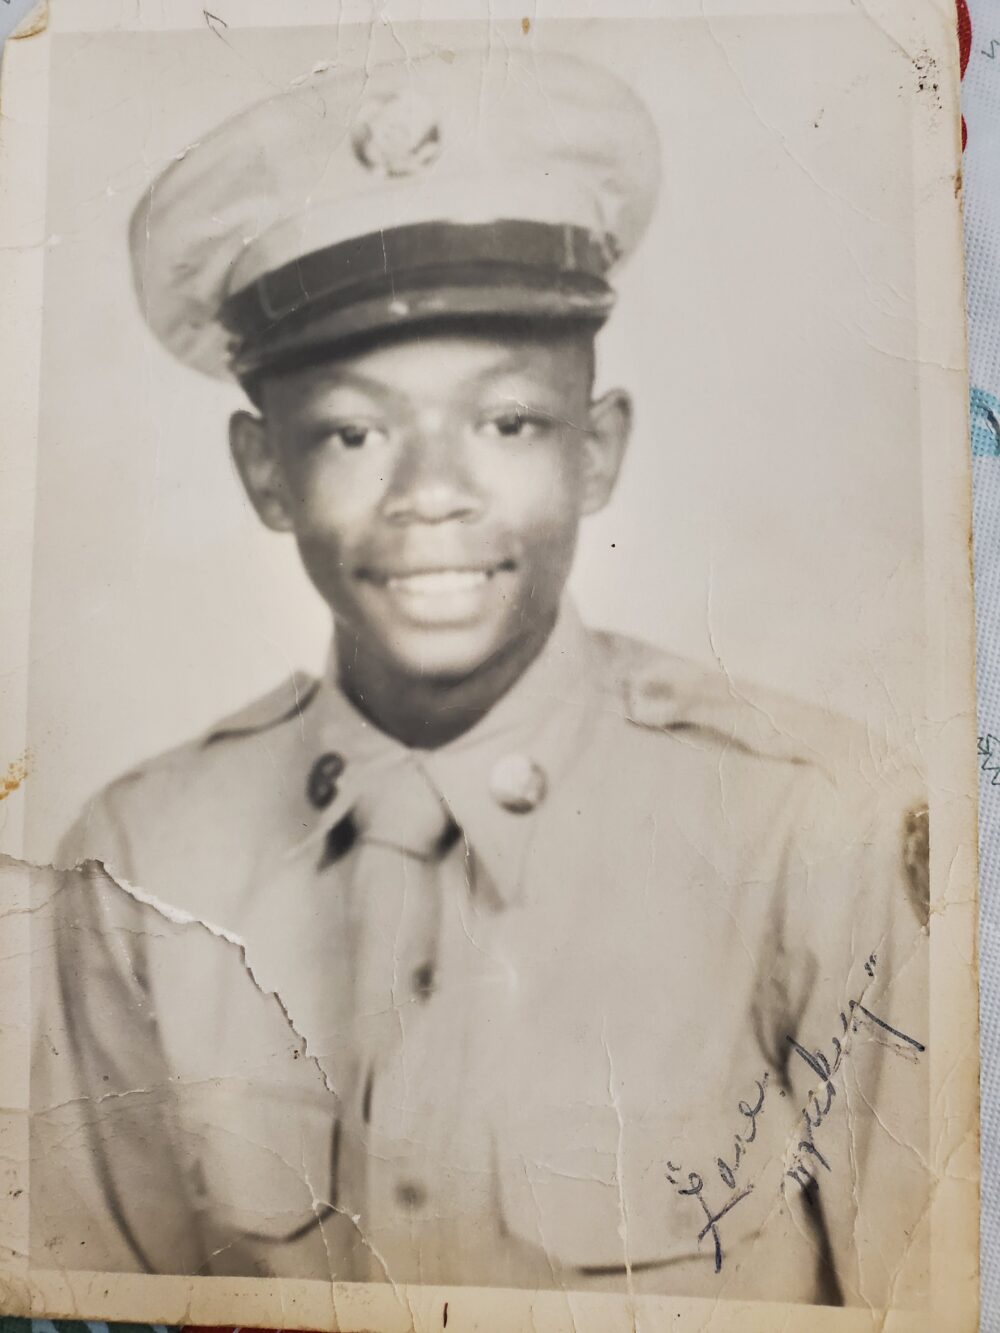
(441,581)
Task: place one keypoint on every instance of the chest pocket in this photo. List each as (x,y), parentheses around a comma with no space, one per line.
(600,1183)
(559,1190)
(273,1165)
(255,1114)
(613,1108)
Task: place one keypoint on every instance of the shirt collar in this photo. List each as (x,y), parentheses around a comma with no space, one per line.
(496,777)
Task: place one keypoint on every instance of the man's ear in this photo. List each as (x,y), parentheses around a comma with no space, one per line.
(260,470)
(606,442)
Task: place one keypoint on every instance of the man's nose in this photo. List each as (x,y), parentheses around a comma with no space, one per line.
(431,482)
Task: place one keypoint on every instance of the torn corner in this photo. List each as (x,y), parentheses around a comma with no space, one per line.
(34,22)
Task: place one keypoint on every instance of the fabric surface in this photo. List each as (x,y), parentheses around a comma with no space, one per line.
(981,105)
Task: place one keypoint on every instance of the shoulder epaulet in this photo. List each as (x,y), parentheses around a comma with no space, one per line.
(673,694)
(280,705)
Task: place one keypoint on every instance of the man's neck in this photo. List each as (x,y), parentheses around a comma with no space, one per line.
(425,711)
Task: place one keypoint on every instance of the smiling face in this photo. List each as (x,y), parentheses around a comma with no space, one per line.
(434,485)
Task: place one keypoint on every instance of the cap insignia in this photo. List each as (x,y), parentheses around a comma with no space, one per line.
(397,135)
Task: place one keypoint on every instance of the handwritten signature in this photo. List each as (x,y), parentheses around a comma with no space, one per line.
(819,1104)
(815,1112)
(727,1173)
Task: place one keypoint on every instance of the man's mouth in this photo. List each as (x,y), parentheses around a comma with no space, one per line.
(441,582)
(440,596)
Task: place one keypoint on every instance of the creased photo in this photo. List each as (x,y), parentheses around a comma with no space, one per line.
(496,829)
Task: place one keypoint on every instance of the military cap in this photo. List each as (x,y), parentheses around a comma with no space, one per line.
(454,185)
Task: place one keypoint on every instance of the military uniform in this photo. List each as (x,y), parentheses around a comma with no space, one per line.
(474,1049)
(587,997)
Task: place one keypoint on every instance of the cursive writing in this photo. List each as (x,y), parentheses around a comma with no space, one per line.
(820,1100)
(728,1172)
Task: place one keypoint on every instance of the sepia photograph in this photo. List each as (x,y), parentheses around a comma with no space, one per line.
(491,837)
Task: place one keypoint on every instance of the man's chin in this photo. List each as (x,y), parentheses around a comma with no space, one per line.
(447,656)
(457,654)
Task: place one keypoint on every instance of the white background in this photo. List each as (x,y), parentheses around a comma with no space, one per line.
(770,514)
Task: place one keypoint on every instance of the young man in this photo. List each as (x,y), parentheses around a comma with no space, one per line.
(508,952)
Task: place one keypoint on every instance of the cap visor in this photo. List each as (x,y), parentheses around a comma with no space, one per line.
(304,337)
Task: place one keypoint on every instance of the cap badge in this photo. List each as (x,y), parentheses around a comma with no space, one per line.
(397,135)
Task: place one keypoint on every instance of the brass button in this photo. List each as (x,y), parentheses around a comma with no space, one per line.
(517,783)
(322,785)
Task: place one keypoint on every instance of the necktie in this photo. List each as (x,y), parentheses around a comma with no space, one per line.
(400,838)
(412,923)
(384,975)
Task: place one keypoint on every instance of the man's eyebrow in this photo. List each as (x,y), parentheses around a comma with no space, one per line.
(516,362)
(346,378)
(319,406)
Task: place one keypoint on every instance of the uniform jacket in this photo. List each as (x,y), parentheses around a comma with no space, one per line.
(645,1011)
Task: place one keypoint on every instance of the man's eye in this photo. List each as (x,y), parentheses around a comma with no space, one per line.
(514,424)
(352,435)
